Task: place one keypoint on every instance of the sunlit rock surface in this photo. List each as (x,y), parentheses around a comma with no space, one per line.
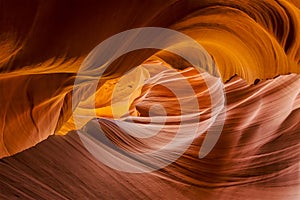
(255,46)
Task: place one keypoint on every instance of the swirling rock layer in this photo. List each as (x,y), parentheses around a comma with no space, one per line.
(42,46)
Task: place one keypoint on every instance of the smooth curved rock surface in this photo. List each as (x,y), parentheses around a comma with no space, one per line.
(255,45)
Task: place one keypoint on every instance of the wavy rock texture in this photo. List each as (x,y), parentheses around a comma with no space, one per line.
(43,44)
(256,157)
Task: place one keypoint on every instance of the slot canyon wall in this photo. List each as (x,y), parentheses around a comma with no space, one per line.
(46,151)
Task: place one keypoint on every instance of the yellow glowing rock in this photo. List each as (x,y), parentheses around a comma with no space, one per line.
(127,89)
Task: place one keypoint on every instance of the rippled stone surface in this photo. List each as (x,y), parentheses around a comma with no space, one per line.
(254,45)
